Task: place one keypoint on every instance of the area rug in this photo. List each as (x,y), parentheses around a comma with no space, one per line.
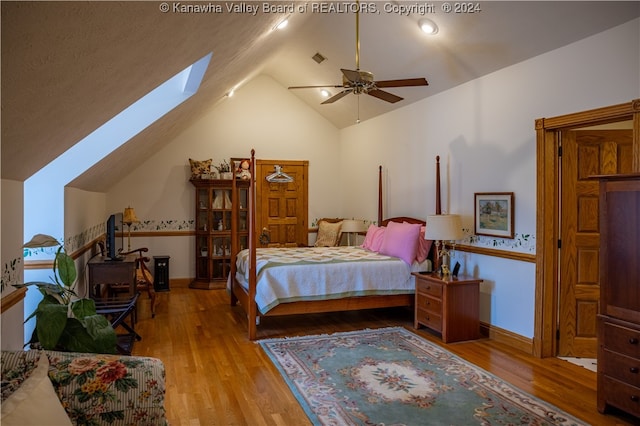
(391,376)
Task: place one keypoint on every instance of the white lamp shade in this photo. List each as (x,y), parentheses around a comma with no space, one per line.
(443,227)
(353,225)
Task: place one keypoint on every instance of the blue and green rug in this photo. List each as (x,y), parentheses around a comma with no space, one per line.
(391,376)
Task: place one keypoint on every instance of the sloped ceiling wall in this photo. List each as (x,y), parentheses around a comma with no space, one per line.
(82,63)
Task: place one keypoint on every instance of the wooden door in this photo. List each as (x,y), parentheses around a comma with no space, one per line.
(585,153)
(282,207)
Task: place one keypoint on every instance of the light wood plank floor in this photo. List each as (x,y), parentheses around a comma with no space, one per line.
(216,376)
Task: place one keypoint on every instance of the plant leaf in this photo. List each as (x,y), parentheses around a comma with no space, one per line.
(41,240)
(97,337)
(66,267)
(51,319)
(103,334)
(82,308)
(75,337)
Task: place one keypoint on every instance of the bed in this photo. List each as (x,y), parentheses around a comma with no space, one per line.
(288,281)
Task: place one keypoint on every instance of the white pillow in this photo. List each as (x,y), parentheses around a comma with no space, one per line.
(35,402)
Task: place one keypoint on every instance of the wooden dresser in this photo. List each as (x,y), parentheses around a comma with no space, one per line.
(619,317)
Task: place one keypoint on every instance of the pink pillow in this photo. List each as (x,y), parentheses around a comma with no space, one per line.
(423,246)
(373,239)
(401,240)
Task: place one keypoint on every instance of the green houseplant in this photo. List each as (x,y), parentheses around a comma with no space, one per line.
(65,321)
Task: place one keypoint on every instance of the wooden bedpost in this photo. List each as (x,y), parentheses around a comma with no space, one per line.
(380,216)
(434,247)
(438,205)
(233,300)
(252,308)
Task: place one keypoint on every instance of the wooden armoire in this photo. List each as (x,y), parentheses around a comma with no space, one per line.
(619,317)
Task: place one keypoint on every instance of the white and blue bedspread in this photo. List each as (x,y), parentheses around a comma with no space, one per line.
(318,273)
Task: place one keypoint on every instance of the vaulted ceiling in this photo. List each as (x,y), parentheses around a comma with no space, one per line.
(68,67)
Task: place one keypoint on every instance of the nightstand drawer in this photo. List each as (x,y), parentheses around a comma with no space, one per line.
(623,340)
(428,303)
(620,367)
(429,319)
(429,287)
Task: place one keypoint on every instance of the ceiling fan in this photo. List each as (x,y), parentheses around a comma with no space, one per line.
(358,81)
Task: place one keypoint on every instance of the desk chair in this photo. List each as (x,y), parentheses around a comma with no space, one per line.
(144,279)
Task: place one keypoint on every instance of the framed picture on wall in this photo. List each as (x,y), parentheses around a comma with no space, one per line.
(494,213)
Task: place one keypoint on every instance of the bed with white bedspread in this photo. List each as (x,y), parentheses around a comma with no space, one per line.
(286,275)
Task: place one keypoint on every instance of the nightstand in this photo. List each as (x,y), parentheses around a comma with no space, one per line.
(448,305)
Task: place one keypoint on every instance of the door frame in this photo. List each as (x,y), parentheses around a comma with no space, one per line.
(548,209)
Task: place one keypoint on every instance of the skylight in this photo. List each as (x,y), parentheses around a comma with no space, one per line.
(44,191)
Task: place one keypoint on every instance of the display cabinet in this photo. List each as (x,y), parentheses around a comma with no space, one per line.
(220,226)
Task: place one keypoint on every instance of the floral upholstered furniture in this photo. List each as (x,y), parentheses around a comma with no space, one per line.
(91,389)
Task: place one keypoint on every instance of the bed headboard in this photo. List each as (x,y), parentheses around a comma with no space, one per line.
(401,219)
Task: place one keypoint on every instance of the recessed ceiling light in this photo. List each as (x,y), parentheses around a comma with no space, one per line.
(428,26)
(282,24)
(325,93)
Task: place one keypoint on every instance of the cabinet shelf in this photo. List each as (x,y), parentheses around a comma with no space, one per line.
(214,246)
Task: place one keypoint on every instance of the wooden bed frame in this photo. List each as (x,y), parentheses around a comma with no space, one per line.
(247,297)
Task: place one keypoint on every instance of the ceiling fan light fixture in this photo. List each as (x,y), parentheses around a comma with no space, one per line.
(325,93)
(428,26)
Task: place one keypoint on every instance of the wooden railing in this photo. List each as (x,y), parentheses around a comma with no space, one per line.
(11,299)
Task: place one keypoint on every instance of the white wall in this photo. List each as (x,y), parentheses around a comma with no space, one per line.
(11,225)
(484,133)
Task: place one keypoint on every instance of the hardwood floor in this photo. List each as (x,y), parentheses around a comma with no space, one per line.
(216,376)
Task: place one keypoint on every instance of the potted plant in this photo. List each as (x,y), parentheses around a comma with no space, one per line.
(224,169)
(63,320)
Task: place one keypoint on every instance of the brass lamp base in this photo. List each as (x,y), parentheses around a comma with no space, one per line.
(444,270)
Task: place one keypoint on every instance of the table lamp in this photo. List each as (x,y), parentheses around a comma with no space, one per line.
(129,218)
(443,228)
(350,226)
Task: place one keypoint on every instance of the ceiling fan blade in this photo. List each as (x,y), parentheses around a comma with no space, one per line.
(385,96)
(315,87)
(352,76)
(403,82)
(338,96)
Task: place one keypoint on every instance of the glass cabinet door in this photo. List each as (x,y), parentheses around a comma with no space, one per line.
(217,230)
(202,257)
(202,210)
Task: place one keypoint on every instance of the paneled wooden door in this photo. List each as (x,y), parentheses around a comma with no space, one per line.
(585,153)
(282,207)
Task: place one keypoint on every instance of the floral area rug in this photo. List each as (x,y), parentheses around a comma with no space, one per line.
(391,376)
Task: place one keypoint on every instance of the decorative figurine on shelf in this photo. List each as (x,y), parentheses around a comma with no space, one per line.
(220,225)
(243,171)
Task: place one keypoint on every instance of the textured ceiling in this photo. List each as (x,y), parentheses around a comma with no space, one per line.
(68,67)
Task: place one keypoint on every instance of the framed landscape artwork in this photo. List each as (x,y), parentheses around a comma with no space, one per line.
(493,214)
